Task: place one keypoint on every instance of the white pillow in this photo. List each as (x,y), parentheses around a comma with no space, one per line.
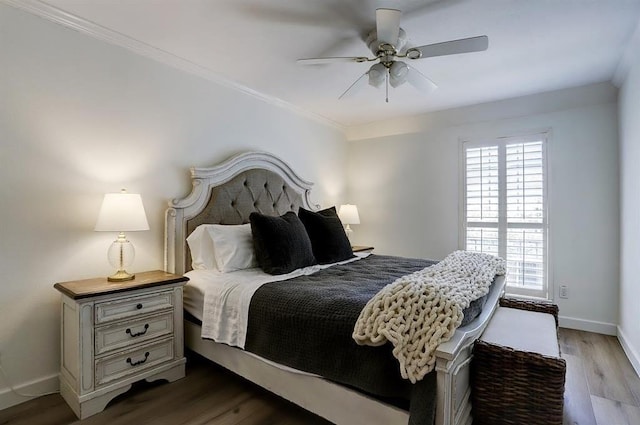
(222,247)
(233,246)
(202,250)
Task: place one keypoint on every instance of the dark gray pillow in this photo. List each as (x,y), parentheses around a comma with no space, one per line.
(328,239)
(281,243)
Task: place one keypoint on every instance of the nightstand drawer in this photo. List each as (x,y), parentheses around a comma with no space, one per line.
(117,366)
(121,335)
(136,306)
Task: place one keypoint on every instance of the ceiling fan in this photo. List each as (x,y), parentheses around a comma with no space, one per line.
(387,42)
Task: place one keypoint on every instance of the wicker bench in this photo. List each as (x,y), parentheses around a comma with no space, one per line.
(518,375)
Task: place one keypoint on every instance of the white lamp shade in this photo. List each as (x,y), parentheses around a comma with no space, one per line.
(348,214)
(122,212)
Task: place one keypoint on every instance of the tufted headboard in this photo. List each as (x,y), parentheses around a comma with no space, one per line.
(227,194)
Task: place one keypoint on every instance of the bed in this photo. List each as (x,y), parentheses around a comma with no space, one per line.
(258,181)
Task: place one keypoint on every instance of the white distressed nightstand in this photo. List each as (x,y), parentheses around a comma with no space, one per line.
(117,333)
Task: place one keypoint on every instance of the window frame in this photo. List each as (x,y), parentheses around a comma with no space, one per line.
(502,226)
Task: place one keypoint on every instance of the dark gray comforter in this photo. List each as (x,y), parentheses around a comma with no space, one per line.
(306,323)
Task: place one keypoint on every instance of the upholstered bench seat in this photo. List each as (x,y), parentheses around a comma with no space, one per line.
(518,375)
(523,330)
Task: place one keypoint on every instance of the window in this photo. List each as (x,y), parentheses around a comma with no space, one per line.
(504,207)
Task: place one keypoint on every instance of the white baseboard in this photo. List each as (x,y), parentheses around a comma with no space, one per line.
(631,353)
(37,388)
(588,325)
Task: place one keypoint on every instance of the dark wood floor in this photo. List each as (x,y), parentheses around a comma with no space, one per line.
(208,395)
(602,389)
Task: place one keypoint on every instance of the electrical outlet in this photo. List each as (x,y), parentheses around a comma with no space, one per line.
(564,291)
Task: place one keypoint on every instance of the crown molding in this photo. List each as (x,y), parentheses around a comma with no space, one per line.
(92,29)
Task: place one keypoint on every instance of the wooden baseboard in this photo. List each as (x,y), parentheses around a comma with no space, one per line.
(37,387)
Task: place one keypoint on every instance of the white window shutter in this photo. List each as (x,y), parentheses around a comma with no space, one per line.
(505,207)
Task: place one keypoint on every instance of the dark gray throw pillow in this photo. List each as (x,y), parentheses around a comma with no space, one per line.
(328,238)
(281,243)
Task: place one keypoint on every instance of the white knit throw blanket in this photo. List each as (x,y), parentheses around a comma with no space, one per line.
(419,311)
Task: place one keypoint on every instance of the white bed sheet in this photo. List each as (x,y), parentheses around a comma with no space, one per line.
(221,300)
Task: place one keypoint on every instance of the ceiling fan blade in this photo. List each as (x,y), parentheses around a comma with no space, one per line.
(388,26)
(418,80)
(355,87)
(464,45)
(322,61)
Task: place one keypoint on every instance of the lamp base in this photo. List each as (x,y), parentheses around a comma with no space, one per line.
(121,255)
(349,232)
(121,276)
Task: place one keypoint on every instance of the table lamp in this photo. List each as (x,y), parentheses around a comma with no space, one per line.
(121,212)
(348,214)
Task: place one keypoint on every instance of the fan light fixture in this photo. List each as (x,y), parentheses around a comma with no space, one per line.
(398,73)
(377,75)
(394,73)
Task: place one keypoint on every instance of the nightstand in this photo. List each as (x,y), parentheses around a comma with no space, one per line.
(116,333)
(361,248)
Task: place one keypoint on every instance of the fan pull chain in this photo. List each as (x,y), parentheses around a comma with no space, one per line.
(386,77)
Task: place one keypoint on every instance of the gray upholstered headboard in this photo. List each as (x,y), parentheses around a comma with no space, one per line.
(227,194)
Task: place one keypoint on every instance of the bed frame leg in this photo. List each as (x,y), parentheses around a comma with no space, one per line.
(453,403)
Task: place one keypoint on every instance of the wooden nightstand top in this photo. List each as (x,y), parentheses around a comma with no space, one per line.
(361,248)
(86,288)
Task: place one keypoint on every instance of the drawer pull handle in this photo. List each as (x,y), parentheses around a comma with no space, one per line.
(139,306)
(146,356)
(133,335)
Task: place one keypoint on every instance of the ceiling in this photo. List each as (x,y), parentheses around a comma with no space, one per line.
(534,46)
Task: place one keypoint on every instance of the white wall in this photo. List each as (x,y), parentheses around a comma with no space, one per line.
(629,330)
(80,118)
(406,188)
